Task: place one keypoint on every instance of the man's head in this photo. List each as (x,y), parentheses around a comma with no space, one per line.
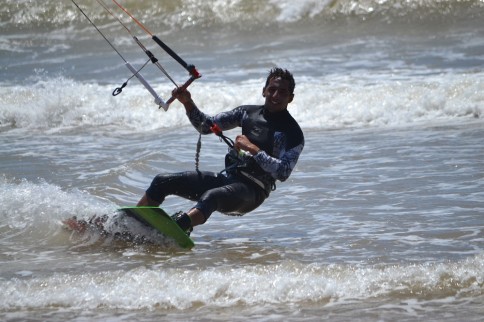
(278,90)
(283,74)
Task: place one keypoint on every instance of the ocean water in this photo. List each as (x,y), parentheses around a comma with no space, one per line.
(382,219)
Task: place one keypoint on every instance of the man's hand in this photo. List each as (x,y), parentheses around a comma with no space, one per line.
(243,143)
(184,97)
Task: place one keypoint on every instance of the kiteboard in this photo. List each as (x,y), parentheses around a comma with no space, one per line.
(153,217)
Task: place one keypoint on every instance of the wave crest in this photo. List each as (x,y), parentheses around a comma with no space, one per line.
(176,15)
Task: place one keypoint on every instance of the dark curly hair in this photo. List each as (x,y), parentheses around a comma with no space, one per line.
(283,74)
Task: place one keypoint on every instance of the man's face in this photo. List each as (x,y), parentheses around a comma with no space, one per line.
(277,95)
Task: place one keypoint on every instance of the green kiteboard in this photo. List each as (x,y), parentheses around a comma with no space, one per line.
(158,219)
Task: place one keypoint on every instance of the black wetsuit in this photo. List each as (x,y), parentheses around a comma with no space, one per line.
(248,179)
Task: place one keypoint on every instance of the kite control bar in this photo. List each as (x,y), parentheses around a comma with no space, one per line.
(194,74)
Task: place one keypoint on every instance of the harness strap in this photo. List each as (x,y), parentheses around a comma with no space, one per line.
(253,179)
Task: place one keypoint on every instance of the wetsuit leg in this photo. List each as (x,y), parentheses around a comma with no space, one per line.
(214,191)
(189,185)
(235,198)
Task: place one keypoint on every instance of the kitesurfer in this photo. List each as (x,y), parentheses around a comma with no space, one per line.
(267,150)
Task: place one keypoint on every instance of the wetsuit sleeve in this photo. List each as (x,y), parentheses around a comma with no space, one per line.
(280,168)
(199,120)
(225,120)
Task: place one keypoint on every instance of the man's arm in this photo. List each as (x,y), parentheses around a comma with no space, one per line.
(225,120)
(184,97)
(279,168)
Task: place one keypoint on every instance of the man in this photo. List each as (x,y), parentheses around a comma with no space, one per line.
(267,150)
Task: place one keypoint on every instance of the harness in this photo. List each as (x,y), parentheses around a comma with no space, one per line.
(240,163)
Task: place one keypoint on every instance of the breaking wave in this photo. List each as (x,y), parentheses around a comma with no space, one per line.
(174,14)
